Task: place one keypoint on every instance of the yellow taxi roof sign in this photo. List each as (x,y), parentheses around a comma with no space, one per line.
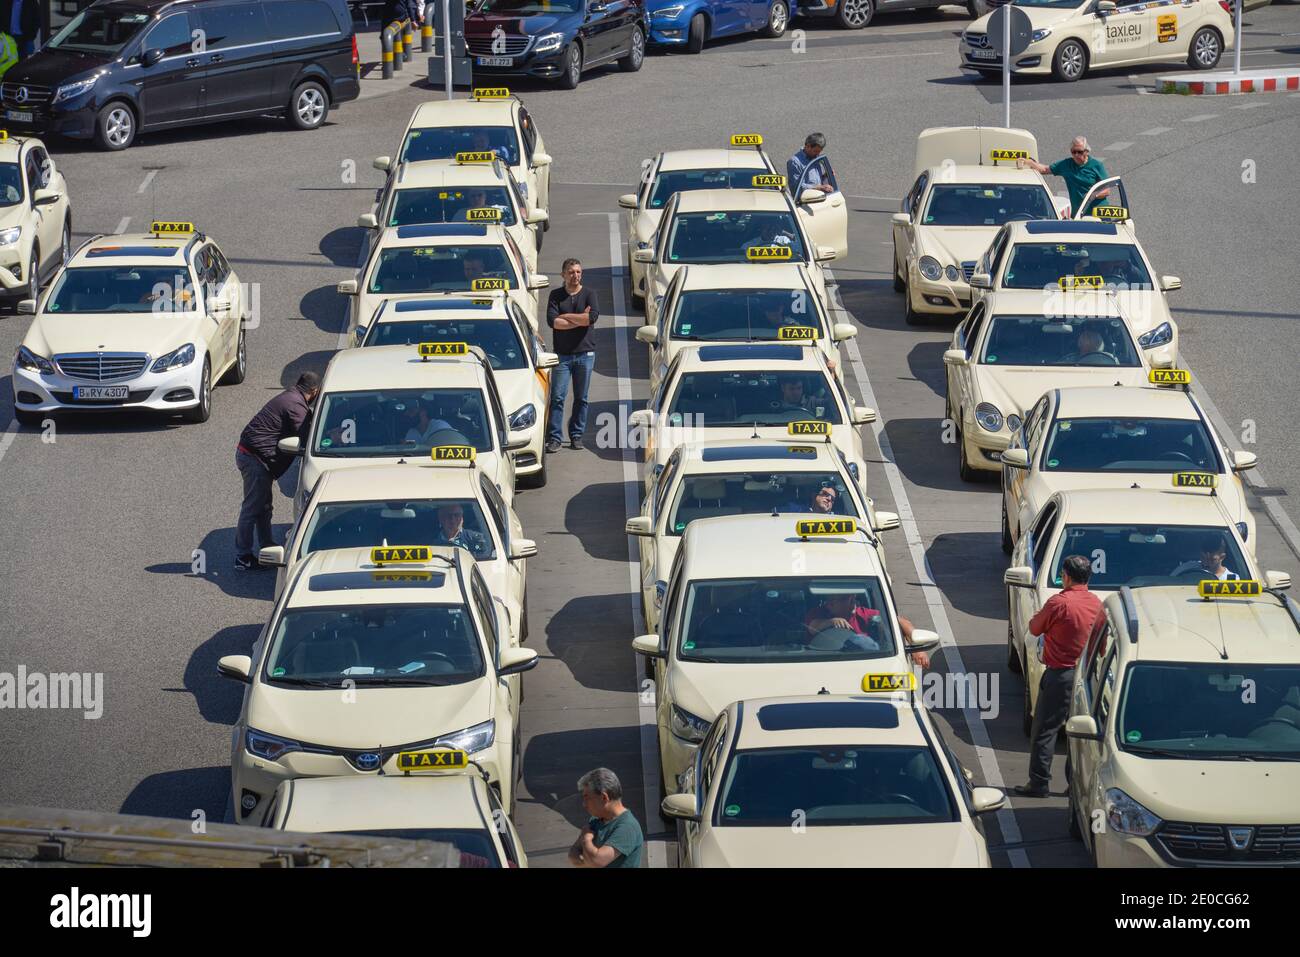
(767,253)
(442,759)
(809,427)
(400,554)
(483,214)
(1000,154)
(1081,282)
(452,453)
(1195,480)
(161,228)
(1110,212)
(1239,588)
(798,333)
(905,681)
(746,139)
(475,156)
(491,93)
(1169,377)
(824,527)
(428,349)
(768,181)
(486,285)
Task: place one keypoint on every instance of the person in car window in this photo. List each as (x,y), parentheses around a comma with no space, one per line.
(452,531)
(422,424)
(793,398)
(1213,551)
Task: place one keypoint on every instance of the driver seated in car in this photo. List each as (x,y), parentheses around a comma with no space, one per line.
(844,613)
(1210,565)
(1090,343)
(422,425)
(452,531)
(792,396)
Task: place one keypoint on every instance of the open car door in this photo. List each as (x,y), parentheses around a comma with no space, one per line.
(824,215)
(1107,200)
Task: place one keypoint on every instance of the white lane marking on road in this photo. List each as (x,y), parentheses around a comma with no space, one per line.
(1138,85)
(1200,117)
(800,61)
(121,226)
(8,438)
(147,180)
(1251,105)
(656,850)
(1116,147)
(1155,131)
(979,736)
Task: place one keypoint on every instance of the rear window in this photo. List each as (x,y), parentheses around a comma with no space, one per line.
(233,25)
(300,18)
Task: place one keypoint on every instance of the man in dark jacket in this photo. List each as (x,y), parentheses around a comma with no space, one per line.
(261,462)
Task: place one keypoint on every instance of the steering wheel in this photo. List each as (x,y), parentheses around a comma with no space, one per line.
(1017,217)
(1286,721)
(1173,454)
(906,799)
(1097,359)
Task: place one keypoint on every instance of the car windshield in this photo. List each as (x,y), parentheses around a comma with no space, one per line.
(104,30)
(685,180)
(498,338)
(375,644)
(530,8)
(1204,710)
(1141,555)
(988,204)
(139,289)
(1129,445)
(732,399)
(712,315)
(712,494)
(726,237)
(400,422)
(1049,341)
(441,521)
(441,204)
(840,786)
(439,268)
(11,184)
(444,142)
(1044,265)
(785,621)
(476,848)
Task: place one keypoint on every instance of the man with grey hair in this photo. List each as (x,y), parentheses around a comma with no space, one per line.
(813,146)
(612,838)
(1079,170)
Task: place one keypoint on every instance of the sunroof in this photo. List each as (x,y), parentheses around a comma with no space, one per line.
(742,453)
(395,577)
(1068,226)
(832,714)
(160,252)
(750,351)
(439,229)
(419,305)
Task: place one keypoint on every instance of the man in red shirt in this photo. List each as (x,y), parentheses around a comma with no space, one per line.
(1064,621)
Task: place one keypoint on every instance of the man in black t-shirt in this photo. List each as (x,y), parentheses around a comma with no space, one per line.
(571,313)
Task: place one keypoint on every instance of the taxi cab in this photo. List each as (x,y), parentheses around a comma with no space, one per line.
(1119,438)
(760,390)
(741,619)
(491,120)
(769,303)
(675,171)
(1140,538)
(741,226)
(1184,729)
(745,477)
(149,321)
(494,323)
(440,502)
(413,262)
(966,187)
(392,405)
(1071,37)
(453,806)
(472,188)
(35,217)
(1018,343)
(371,652)
(829,781)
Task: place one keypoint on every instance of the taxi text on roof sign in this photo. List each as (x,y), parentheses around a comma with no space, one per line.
(1081,282)
(746,139)
(491,93)
(453,453)
(400,554)
(476,156)
(796,333)
(444,349)
(482,214)
(768,181)
(1110,212)
(807,527)
(893,682)
(1169,377)
(809,427)
(765,253)
(397,577)
(1241,588)
(996,155)
(483,285)
(159,228)
(1195,480)
(432,760)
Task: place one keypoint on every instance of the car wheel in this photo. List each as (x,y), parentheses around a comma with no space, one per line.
(1205,49)
(695,35)
(663,793)
(1070,62)
(964,469)
(572,74)
(635,53)
(1007,544)
(1013,656)
(236,373)
(202,411)
(1075,831)
(30,419)
(899,285)
(65,244)
(910,315)
(778,18)
(309,106)
(523,634)
(115,126)
(854,14)
(1026,714)
(34,276)
(637,299)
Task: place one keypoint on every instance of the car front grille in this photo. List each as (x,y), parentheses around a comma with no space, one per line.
(977,40)
(1215,844)
(968,269)
(13,95)
(509,45)
(135,395)
(102,366)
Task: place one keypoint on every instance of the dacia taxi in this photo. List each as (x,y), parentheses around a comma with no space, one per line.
(1184,729)
(742,618)
(141,321)
(369,653)
(35,217)
(836,780)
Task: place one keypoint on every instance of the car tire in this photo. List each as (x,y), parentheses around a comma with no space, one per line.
(65,243)
(1205,50)
(1070,61)
(964,470)
(30,419)
(638,300)
(1073,825)
(1007,544)
(308,106)
(1026,715)
(572,74)
(203,411)
(635,52)
(899,285)
(910,315)
(34,276)
(854,14)
(237,372)
(115,126)
(696,34)
(778,19)
(1014,664)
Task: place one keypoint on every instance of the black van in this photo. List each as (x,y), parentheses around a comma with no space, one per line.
(121,67)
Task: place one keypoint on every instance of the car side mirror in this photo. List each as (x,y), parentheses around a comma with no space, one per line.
(514,445)
(1170,283)
(1278,581)
(1019,576)
(885,522)
(1082,726)
(983,800)
(383,163)
(901,219)
(44,197)
(1106,7)
(826,253)
(238,667)
(1244,461)
(843,330)
(539,282)
(644,256)
(810,197)
(27,307)
(368,221)
(547,360)
(290,446)
(521,548)
(680,807)
(923,640)
(647,334)
(639,525)
(641,418)
(152,56)
(536,216)
(541,159)
(272,555)
(647,645)
(981,280)
(954,357)
(1016,458)
(863,415)
(514,661)
(348,287)
(627,201)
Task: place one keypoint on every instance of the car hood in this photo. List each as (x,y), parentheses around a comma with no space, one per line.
(955,244)
(153,333)
(484,23)
(1017,388)
(1228,792)
(54,67)
(942,845)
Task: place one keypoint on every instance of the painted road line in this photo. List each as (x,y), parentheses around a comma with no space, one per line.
(1200,117)
(7,439)
(1155,131)
(1116,147)
(800,61)
(979,736)
(1251,105)
(147,180)
(121,226)
(656,850)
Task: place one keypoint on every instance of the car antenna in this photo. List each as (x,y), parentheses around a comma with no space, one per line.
(823,691)
(755,435)
(381,760)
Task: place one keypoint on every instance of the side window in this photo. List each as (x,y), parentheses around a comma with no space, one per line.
(1035,434)
(1096,652)
(288,19)
(529,131)
(1034,422)
(713,754)
(507,841)
(998,249)
(172,35)
(818,171)
(1042,534)
(233,25)
(519,258)
(909,201)
(1106,690)
(219,263)
(520,200)
(496,508)
(973,327)
(662,395)
(665,483)
(670,297)
(39,170)
(498,414)
(486,611)
(667,624)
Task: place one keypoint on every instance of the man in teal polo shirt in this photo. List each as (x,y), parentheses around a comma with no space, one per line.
(612,838)
(1079,170)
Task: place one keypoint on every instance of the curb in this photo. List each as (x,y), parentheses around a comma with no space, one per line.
(1254,81)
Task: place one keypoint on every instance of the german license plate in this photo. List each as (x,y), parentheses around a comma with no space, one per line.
(18,116)
(495,61)
(984,54)
(100,393)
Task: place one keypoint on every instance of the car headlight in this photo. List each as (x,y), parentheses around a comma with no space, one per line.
(523,418)
(988,417)
(70,90)
(951,273)
(1127,816)
(1040,35)
(1013,423)
(549,43)
(26,359)
(10,236)
(930,268)
(1161,335)
(262,745)
(687,726)
(472,739)
(174,359)
(668,13)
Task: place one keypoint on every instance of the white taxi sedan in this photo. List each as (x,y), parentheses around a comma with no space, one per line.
(143,321)
(372,652)
(829,781)
(35,217)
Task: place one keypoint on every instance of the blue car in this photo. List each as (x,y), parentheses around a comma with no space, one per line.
(689,23)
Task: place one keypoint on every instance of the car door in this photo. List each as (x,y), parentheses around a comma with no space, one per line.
(531,138)
(1092,694)
(826,222)
(1108,199)
(1040,540)
(220,299)
(1124,35)
(962,377)
(598,32)
(171,88)
(47,219)
(239,57)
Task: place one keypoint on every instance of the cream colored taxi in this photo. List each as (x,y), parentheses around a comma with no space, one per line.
(1071,37)
(760,605)
(967,186)
(369,653)
(393,405)
(1018,343)
(494,323)
(142,321)
(675,171)
(1119,438)
(770,303)
(1138,538)
(1184,729)
(821,780)
(440,502)
(35,217)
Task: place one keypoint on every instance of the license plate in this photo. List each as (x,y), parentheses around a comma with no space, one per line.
(18,116)
(495,61)
(984,54)
(100,393)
